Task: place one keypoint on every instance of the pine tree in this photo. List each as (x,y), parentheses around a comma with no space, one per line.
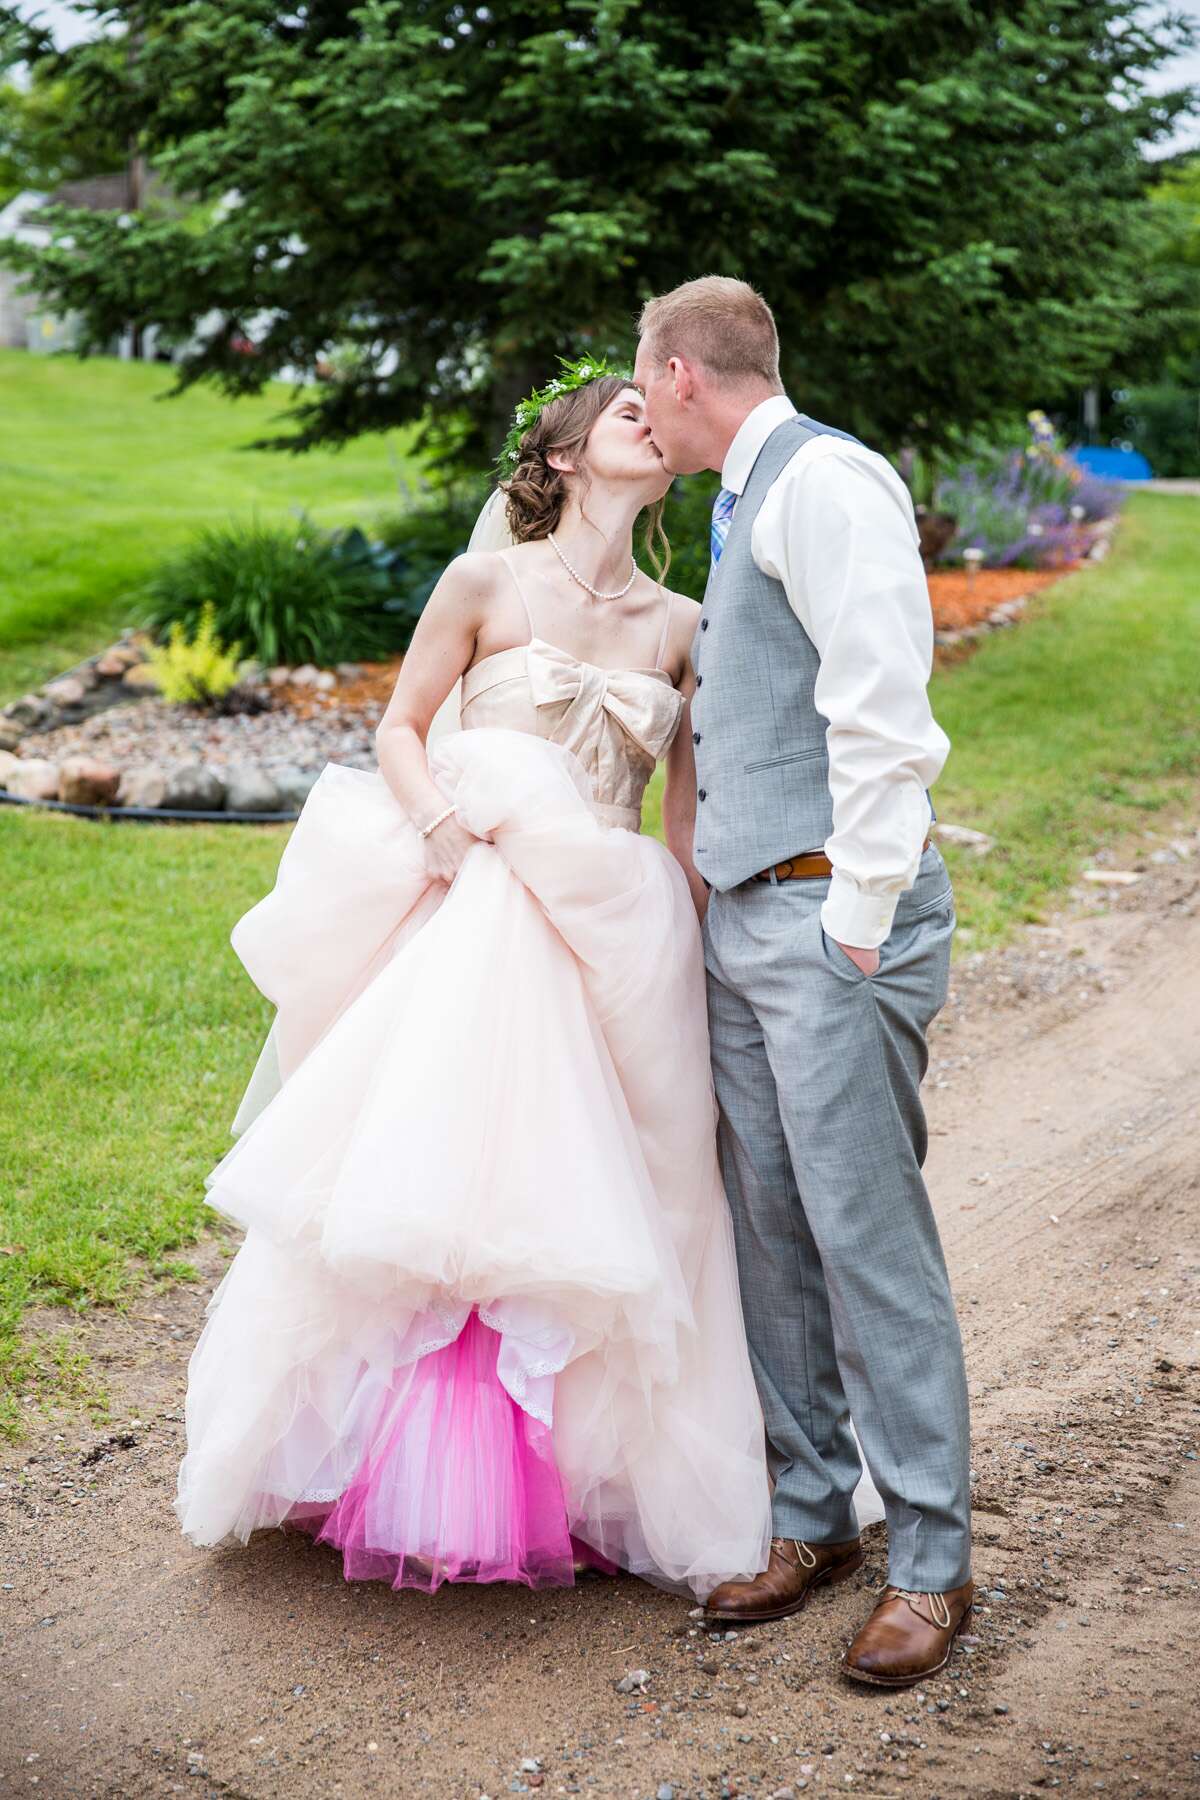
(941,200)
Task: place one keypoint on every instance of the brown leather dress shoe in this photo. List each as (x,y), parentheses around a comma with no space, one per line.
(908,1637)
(792,1572)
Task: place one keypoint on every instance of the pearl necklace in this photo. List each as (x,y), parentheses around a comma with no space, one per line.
(576,576)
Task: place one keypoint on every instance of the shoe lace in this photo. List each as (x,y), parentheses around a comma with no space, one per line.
(937,1606)
(807,1557)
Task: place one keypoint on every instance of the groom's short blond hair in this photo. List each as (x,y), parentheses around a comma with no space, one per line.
(719,322)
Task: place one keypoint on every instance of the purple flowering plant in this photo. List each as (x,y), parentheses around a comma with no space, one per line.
(1026,505)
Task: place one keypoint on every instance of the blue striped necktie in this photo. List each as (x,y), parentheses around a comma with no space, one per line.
(722,513)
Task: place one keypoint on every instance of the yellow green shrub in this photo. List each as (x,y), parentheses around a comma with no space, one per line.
(198,671)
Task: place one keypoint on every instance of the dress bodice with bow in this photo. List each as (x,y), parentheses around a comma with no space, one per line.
(618,722)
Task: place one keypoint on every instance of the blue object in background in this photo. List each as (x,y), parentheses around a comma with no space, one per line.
(1112,465)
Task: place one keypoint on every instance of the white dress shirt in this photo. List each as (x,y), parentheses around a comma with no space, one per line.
(837,529)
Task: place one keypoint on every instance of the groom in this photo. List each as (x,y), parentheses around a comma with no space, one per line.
(827,945)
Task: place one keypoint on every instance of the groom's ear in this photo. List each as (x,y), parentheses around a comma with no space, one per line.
(682,379)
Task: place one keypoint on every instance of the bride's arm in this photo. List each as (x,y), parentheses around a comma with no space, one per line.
(442,646)
(679,794)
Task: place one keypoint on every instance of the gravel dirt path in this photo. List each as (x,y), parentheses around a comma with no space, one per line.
(1064,1102)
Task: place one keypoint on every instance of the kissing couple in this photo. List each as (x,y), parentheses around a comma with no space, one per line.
(580,1176)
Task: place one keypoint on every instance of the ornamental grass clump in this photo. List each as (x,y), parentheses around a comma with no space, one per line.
(199,671)
(290,594)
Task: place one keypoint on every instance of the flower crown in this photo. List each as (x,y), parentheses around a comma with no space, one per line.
(574,375)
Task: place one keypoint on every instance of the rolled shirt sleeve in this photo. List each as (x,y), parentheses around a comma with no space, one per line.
(837,529)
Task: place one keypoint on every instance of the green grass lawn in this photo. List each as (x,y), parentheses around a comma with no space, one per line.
(1070,730)
(128,1028)
(99,477)
(127,1034)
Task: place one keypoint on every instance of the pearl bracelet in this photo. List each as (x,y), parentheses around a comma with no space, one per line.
(434,823)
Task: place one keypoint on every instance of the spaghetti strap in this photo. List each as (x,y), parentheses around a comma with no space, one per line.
(662,642)
(521,592)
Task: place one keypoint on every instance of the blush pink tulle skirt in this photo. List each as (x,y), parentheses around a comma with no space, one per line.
(487,1301)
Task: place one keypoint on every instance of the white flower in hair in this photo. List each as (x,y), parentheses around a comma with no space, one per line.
(574,376)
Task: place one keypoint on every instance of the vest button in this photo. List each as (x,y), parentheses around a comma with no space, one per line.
(699,681)
(702,794)
(704,624)
(695,737)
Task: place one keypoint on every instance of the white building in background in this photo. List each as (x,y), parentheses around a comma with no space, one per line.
(26,321)
(24,324)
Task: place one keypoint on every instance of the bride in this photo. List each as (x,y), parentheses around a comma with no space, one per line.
(485,1321)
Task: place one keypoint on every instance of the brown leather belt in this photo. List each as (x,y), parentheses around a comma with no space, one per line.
(804,868)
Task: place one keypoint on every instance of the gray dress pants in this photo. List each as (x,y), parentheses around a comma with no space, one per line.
(847,1302)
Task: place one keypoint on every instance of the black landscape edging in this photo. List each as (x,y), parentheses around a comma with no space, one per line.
(151,814)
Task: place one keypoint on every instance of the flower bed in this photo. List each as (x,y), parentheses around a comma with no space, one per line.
(1027,505)
(101,740)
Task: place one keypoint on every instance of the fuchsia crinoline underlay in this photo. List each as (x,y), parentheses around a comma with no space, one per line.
(459,1484)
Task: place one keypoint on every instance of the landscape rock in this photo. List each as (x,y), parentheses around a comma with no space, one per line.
(249,789)
(325,680)
(86,781)
(34,779)
(145,785)
(305,675)
(113,664)
(141,677)
(294,786)
(30,709)
(68,690)
(194,788)
(10,734)
(280,674)
(8,762)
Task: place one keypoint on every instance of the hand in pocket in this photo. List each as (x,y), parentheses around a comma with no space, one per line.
(865,961)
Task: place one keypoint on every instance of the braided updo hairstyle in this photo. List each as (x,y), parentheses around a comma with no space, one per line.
(536,494)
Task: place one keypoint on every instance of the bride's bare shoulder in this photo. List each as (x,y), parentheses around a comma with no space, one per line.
(473,571)
(683,605)
(468,587)
(685,615)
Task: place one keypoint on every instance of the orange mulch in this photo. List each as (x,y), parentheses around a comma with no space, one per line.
(959,599)
(371,689)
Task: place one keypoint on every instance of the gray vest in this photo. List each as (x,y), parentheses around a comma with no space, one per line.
(762,768)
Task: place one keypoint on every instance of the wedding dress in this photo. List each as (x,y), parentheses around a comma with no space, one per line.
(485,1318)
